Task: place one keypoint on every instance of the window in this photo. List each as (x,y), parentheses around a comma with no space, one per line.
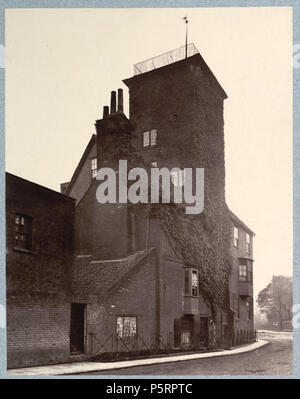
(150,138)
(235,236)
(153,137)
(126,326)
(177,177)
(249,272)
(248,244)
(94,168)
(245,270)
(191,282)
(249,309)
(23,231)
(154,164)
(146,140)
(194,283)
(185,338)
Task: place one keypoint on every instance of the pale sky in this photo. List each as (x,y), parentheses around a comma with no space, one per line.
(61,65)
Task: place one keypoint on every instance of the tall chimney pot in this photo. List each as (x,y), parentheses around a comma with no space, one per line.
(105,111)
(113,102)
(120,100)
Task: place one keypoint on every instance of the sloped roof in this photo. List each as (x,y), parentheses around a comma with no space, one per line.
(80,164)
(238,221)
(98,278)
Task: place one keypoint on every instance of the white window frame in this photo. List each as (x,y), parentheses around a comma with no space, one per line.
(153,137)
(146,139)
(235,236)
(243,272)
(248,244)
(94,168)
(195,282)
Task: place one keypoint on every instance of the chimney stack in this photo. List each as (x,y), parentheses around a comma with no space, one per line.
(113,102)
(120,100)
(105,111)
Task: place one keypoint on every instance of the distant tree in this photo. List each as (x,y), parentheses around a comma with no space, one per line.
(276,300)
(260,320)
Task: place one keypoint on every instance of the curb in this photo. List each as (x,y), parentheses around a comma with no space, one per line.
(85,367)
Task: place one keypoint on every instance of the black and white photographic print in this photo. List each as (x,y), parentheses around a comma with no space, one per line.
(149,192)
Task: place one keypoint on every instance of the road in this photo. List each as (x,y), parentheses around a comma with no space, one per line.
(276,358)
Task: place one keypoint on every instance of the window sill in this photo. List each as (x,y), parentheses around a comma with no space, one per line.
(23,250)
(149,147)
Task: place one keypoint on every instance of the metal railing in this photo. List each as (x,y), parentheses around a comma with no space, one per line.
(241,337)
(115,347)
(165,59)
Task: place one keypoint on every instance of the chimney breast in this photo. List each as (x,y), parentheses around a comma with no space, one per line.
(120,100)
(113,102)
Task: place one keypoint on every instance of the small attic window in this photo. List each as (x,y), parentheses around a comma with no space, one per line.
(94,168)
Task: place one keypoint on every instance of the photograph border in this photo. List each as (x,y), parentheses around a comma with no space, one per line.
(8,4)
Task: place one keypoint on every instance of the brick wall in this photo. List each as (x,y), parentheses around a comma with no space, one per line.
(100,229)
(37,334)
(135,296)
(38,280)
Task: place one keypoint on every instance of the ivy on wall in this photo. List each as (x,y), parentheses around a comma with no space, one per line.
(201,241)
(202,246)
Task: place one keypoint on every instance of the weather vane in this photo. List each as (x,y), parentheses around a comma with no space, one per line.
(185,19)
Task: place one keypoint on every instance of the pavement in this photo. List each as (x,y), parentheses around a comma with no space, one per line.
(85,367)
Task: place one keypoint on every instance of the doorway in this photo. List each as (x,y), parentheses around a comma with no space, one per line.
(77,329)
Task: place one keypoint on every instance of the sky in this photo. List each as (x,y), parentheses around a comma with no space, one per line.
(61,65)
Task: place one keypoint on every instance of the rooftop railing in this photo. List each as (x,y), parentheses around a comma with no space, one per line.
(165,59)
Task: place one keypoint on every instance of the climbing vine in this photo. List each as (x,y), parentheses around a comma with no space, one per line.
(204,247)
(201,241)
